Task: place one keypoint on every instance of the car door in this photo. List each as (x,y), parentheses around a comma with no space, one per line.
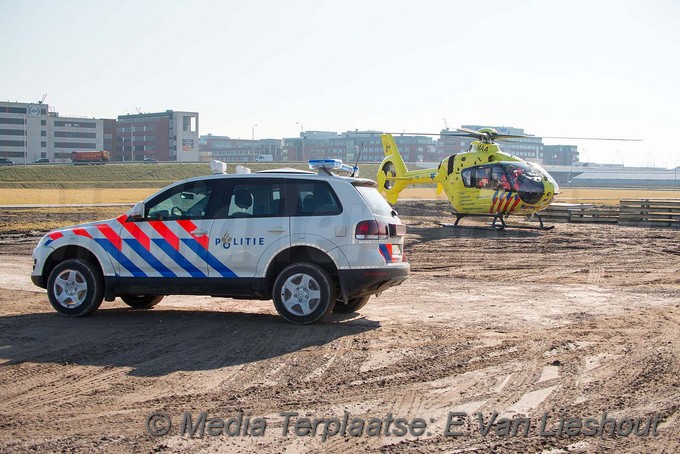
(314,211)
(249,226)
(171,240)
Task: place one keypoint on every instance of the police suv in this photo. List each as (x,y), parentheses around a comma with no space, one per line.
(312,242)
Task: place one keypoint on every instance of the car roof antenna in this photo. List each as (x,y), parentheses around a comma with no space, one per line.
(356,164)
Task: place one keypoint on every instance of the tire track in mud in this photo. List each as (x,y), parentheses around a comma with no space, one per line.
(609,391)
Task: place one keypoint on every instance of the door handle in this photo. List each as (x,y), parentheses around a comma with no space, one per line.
(198,232)
(276,230)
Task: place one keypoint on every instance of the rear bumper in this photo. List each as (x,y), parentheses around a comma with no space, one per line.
(356,283)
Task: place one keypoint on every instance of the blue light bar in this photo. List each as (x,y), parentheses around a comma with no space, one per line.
(333,164)
(327,163)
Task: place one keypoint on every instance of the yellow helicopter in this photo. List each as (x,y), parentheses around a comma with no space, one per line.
(484,181)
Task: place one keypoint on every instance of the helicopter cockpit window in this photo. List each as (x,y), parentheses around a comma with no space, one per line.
(466,175)
(524,178)
(483,178)
(504,176)
(499,180)
(477,177)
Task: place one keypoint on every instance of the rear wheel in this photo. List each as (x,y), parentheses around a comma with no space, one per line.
(141,301)
(304,293)
(353,304)
(75,288)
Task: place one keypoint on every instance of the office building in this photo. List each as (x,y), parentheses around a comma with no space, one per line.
(164,136)
(529,148)
(31,131)
(226,149)
(354,146)
(560,155)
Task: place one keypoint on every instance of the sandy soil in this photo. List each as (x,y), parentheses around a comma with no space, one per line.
(571,323)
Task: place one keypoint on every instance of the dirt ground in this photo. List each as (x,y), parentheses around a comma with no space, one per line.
(573,323)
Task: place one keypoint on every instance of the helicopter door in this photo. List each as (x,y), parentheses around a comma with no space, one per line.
(499,179)
(481,177)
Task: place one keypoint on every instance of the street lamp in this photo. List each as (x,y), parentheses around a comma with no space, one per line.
(254,131)
(302,138)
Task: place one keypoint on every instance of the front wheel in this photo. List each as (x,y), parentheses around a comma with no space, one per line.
(141,301)
(304,293)
(75,288)
(353,304)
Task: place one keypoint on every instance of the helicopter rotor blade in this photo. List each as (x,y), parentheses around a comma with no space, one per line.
(372,133)
(468,131)
(591,138)
(464,132)
(512,136)
(475,134)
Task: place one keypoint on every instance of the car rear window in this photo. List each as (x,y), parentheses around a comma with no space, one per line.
(375,201)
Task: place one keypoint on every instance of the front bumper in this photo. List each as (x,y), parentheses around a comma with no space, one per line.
(357,283)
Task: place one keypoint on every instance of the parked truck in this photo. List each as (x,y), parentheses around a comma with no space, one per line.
(90,157)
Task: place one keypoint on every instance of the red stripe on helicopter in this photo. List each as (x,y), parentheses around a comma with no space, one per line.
(135,231)
(81,232)
(494,199)
(166,233)
(507,203)
(190,227)
(110,235)
(499,202)
(517,199)
(499,205)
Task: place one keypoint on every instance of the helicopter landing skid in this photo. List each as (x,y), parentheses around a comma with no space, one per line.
(503,225)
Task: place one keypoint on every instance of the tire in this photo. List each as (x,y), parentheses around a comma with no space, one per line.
(353,305)
(141,301)
(304,293)
(75,288)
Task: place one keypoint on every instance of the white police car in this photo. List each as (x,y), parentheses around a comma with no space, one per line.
(314,243)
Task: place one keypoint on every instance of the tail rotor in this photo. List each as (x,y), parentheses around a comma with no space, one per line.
(393,176)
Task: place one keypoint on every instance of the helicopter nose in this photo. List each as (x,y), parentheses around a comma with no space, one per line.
(530,197)
(551,189)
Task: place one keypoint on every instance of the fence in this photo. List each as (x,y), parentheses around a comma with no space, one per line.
(637,213)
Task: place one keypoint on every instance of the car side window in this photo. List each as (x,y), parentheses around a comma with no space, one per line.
(252,198)
(316,198)
(188,201)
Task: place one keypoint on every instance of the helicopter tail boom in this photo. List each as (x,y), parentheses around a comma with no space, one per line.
(393,176)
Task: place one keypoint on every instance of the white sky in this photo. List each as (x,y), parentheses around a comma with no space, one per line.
(602,68)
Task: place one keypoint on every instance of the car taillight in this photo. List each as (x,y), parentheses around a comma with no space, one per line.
(372,230)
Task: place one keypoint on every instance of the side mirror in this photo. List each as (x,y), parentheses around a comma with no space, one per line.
(137,211)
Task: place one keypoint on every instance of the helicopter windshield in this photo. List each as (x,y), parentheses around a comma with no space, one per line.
(509,176)
(524,178)
(495,176)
